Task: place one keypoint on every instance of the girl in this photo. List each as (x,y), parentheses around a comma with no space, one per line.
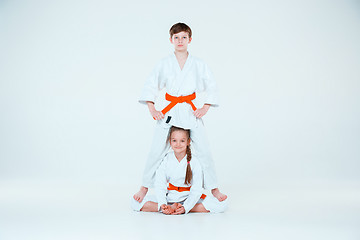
(178,182)
(183,75)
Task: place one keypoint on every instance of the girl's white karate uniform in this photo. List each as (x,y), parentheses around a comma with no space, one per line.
(194,77)
(174,172)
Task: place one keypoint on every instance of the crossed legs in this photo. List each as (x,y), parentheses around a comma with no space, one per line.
(153,207)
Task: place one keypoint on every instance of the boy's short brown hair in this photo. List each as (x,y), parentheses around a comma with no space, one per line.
(180,27)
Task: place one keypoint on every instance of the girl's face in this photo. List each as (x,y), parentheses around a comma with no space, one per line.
(178,141)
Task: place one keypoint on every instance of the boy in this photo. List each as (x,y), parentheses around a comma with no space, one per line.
(183,75)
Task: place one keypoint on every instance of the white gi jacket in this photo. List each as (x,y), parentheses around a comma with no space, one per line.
(172,171)
(194,77)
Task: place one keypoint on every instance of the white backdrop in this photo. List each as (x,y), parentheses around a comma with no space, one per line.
(288,74)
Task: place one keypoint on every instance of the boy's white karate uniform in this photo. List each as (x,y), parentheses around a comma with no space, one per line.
(194,77)
(174,172)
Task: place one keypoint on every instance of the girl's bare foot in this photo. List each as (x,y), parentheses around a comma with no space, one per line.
(169,209)
(179,209)
(174,206)
(139,196)
(220,196)
(150,207)
(166,209)
(199,207)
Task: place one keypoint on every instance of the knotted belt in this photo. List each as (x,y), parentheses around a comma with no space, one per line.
(175,100)
(182,189)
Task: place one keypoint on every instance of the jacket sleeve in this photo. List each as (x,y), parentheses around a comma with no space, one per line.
(211,88)
(153,84)
(196,187)
(161,184)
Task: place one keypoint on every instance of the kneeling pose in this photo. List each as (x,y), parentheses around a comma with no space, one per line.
(178,182)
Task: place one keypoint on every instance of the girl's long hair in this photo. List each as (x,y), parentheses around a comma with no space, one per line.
(188,176)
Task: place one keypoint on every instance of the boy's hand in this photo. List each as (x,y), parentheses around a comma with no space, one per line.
(157,115)
(199,113)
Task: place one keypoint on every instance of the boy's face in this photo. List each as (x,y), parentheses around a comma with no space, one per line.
(180,41)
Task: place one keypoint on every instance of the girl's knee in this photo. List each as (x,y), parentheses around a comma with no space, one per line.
(223,205)
(215,206)
(135,205)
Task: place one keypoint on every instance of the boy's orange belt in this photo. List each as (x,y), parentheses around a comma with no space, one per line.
(182,189)
(176,100)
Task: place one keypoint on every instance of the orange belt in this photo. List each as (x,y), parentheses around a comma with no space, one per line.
(176,100)
(182,189)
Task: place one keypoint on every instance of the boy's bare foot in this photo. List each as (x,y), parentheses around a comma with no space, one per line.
(220,196)
(139,196)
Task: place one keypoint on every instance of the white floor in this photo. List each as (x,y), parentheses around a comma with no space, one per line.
(36,211)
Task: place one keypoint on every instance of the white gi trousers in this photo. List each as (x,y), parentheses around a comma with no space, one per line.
(210,203)
(199,147)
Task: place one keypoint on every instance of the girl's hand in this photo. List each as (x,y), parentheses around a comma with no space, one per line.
(199,113)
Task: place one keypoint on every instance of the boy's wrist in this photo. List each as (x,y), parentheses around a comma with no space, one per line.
(151,106)
(206,106)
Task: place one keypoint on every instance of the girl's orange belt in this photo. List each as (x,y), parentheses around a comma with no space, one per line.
(175,100)
(182,189)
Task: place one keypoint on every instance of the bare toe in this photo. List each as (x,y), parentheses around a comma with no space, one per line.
(139,196)
(222,198)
